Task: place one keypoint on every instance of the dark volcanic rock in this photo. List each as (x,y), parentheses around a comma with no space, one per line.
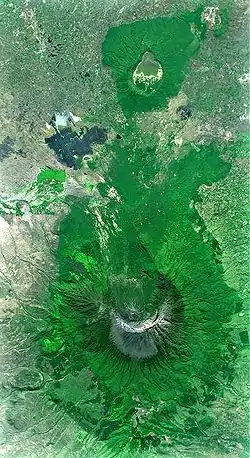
(184,111)
(70,147)
(6,148)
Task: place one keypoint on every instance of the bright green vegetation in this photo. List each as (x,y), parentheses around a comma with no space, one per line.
(152,232)
(149,59)
(38,197)
(51,346)
(50,177)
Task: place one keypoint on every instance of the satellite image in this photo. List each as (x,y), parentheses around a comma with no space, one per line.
(124,229)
